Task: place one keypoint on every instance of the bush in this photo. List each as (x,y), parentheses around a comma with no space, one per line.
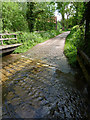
(29,40)
(73,41)
(13,17)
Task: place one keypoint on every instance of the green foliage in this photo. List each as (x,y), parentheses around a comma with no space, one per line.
(13,17)
(61,7)
(74,40)
(73,12)
(49,34)
(38,15)
(28,16)
(59,25)
(29,40)
(79,10)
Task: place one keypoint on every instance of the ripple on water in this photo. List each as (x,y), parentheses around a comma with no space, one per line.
(36,89)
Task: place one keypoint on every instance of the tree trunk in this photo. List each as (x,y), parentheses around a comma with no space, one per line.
(67,22)
(30,16)
(62,21)
(87,26)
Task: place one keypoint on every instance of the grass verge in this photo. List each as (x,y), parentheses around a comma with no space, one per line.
(73,41)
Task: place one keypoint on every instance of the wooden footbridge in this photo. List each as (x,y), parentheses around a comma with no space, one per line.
(8,48)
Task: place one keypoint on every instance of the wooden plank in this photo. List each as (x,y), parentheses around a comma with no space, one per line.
(9,46)
(8,34)
(7,50)
(1,40)
(84,56)
(8,39)
(87,76)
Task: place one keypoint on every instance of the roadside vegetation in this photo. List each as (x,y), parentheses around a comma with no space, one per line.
(73,41)
(79,36)
(35,22)
(30,39)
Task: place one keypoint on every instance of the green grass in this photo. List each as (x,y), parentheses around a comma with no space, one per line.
(73,41)
(29,40)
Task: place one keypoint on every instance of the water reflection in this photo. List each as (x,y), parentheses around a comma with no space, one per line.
(35,89)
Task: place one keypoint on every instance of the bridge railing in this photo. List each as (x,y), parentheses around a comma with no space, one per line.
(8,48)
(9,34)
(84,62)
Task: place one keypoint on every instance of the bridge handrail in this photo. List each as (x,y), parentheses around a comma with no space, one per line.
(8,34)
(2,34)
(84,62)
(84,56)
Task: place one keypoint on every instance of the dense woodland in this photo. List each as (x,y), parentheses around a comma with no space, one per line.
(34,23)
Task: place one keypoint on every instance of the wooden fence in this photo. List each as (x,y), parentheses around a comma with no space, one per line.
(84,62)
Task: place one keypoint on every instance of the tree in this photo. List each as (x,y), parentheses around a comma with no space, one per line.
(45,19)
(30,15)
(13,17)
(61,8)
(87,27)
(38,15)
(78,8)
(69,13)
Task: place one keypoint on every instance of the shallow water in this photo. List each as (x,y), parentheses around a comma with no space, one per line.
(35,89)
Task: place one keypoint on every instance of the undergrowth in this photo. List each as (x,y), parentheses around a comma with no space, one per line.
(73,41)
(29,40)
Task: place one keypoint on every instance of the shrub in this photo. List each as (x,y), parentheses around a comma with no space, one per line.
(73,41)
(29,40)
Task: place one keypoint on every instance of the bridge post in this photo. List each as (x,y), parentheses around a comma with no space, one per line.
(1,40)
(88,90)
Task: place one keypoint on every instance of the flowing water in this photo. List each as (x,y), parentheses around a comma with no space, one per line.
(41,84)
(35,89)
